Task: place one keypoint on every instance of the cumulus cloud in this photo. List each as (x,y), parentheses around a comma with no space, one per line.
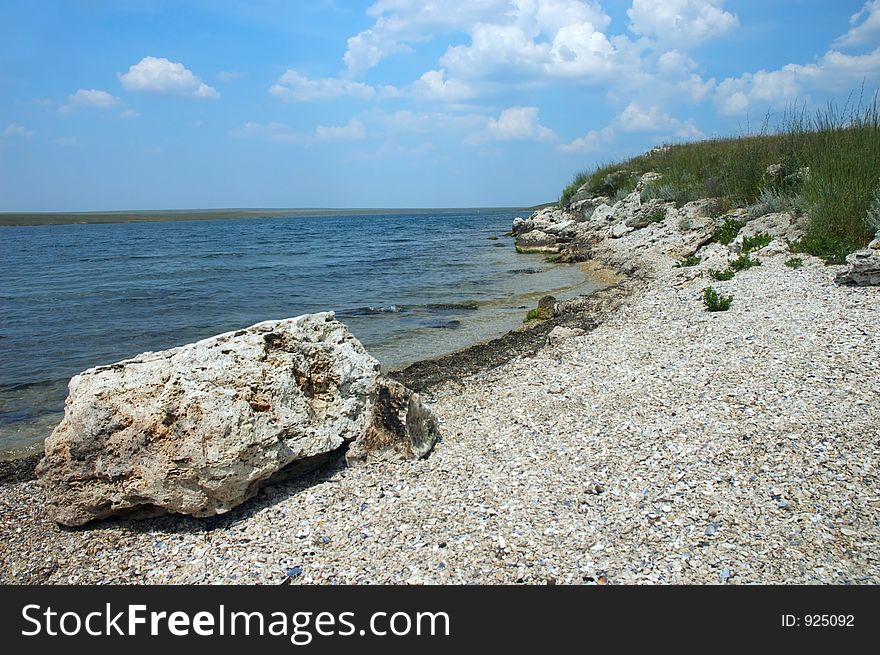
(297,87)
(433,86)
(865,27)
(159,75)
(836,71)
(14,130)
(592,141)
(90,98)
(518,124)
(680,21)
(400,23)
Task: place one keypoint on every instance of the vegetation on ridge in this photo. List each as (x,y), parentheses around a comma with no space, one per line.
(827,165)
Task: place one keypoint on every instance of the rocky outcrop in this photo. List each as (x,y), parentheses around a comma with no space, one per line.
(200,428)
(862,268)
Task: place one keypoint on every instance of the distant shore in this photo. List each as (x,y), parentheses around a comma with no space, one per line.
(19,219)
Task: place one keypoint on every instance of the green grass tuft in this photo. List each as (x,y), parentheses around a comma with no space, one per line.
(693,260)
(794,262)
(715,302)
(756,242)
(727,231)
(742,263)
(721,276)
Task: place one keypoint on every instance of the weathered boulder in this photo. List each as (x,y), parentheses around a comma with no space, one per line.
(646,214)
(620,230)
(862,268)
(779,225)
(200,428)
(537,241)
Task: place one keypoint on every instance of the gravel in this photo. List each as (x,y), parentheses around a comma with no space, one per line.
(668,445)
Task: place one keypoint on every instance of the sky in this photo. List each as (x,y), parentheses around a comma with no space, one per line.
(134,104)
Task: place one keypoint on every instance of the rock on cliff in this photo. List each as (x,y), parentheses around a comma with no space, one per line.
(200,428)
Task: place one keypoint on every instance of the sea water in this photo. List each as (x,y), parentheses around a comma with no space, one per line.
(410,285)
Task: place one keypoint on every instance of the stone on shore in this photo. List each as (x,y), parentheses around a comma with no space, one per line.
(863,268)
(201,428)
(537,241)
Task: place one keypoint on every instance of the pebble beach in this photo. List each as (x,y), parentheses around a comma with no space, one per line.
(667,445)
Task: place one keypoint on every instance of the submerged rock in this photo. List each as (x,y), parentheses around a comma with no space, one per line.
(200,428)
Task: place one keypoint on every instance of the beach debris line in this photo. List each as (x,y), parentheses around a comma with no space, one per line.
(201,428)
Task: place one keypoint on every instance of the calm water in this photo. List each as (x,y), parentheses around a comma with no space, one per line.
(409,287)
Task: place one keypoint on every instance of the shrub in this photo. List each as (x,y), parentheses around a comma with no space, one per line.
(715,302)
(755,242)
(794,262)
(721,276)
(533,315)
(823,245)
(658,215)
(743,262)
(693,260)
(727,231)
(770,201)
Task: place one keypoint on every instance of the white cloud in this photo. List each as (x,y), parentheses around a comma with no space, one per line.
(297,87)
(685,22)
(518,124)
(353,131)
(89,98)
(865,28)
(159,75)
(591,142)
(836,71)
(14,130)
(636,118)
(400,23)
(539,39)
(433,86)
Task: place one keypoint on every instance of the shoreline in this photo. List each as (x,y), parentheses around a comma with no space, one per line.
(425,376)
(667,444)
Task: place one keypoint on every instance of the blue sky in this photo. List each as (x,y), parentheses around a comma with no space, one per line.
(393,103)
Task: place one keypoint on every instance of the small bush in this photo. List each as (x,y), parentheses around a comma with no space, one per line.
(743,262)
(727,231)
(826,246)
(755,243)
(794,262)
(715,302)
(658,215)
(533,315)
(721,276)
(771,201)
(693,260)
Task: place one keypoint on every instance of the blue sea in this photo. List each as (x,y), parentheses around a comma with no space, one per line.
(409,285)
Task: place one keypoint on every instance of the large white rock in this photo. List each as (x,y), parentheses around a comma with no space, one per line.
(200,428)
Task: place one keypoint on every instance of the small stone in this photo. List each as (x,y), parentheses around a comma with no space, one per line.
(710,530)
(294,571)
